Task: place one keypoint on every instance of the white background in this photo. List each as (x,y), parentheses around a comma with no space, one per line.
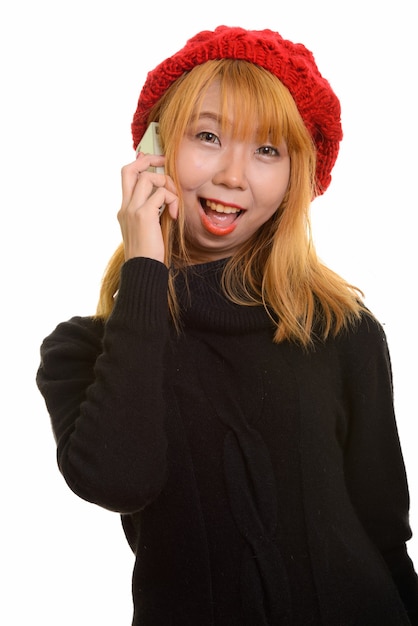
(71,73)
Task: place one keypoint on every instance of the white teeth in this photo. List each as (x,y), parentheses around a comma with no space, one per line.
(221,208)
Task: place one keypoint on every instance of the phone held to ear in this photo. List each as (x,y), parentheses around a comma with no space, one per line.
(150,144)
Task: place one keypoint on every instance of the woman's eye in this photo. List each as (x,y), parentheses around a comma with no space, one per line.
(267,151)
(208,137)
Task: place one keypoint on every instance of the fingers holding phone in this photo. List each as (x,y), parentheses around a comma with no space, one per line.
(146,191)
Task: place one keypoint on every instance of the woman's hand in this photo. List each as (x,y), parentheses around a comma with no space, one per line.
(143,194)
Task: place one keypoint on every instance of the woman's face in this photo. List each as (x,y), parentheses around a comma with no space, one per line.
(230,187)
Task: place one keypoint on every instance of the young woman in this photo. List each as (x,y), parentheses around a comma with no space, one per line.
(231,398)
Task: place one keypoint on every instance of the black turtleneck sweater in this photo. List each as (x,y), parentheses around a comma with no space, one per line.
(259,484)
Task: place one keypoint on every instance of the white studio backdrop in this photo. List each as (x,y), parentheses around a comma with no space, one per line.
(71,75)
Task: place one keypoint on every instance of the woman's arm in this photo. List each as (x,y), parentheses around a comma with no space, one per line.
(103,387)
(374,466)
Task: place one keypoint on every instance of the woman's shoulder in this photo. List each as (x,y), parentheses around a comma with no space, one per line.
(364,331)
(363,341)
(78,330)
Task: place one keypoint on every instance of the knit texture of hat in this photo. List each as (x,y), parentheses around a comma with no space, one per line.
(293,65)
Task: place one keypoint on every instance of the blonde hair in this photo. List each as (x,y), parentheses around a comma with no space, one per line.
(278,266)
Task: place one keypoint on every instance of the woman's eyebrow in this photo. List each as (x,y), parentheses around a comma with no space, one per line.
(211,115)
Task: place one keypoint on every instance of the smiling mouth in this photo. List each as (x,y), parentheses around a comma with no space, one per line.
(219,219)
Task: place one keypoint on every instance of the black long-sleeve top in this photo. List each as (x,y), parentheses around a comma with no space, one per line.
(259,484)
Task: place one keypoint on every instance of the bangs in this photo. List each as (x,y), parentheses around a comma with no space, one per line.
(259,104)
(257,101)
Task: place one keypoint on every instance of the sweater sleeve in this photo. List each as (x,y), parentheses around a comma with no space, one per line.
(374,466)
(102,384)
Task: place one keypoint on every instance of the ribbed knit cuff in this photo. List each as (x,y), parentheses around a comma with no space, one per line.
(142,296)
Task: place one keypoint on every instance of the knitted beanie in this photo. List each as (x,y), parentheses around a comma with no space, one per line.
(293,65)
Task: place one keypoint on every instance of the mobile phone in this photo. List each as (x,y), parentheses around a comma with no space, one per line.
(150,144)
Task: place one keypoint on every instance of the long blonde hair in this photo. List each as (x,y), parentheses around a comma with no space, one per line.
(278,266)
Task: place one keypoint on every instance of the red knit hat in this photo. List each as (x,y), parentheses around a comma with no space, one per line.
(293,65)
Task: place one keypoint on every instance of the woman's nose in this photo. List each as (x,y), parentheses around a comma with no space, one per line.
(232,168)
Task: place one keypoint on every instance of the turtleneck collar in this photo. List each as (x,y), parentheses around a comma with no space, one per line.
(204,306)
